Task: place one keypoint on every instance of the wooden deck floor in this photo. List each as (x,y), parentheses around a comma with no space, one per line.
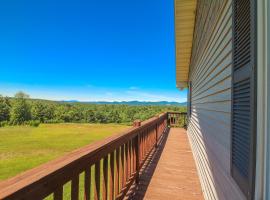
(170,172)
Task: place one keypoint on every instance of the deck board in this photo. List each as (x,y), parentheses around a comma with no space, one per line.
(171,172)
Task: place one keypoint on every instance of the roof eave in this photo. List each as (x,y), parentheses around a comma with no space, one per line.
(185,11)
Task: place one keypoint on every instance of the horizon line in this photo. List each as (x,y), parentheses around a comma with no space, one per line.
(96,101)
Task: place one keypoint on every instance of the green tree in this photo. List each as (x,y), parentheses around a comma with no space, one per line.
(89,116)
(101,116)
(42,111)
(4,109)
(114,116)
(20,111)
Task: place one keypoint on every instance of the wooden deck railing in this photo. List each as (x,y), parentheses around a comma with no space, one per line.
(177,119)
(116,162)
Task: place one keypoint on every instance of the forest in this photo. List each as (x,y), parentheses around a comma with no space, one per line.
(22,110)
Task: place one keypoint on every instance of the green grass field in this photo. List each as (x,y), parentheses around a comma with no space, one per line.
(22,147)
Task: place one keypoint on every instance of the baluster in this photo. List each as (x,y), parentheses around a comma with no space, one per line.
(111,195)
(134,155)
(151,138)
(154,136)
(75,188)
(97,181)
(122,171)
(130,158)
(87,184)
(138,153)
(117,174)
(105,178)
(148,140)
(146,143)
(58,194)
(157,136)
(127,162)
(141,148)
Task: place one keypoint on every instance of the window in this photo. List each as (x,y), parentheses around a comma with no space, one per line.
(243,138)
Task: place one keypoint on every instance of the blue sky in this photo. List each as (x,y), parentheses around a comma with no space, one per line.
(88,50)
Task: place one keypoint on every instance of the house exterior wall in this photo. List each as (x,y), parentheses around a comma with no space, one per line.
(209,128)
(267,66)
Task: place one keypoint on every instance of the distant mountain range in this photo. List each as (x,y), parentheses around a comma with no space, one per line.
(132,103)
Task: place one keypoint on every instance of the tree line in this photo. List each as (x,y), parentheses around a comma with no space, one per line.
(21,109)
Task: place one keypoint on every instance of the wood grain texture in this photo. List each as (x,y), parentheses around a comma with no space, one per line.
(167,178)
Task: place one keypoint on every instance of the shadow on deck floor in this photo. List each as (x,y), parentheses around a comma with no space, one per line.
(170,171)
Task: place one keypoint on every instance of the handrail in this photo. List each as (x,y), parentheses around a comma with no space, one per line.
(177,119)
(117,161)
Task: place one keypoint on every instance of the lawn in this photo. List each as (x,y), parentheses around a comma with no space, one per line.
(22,147)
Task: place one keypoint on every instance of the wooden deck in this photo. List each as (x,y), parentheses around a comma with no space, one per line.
(170,172)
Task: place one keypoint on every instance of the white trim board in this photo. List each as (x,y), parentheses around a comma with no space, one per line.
(262,185)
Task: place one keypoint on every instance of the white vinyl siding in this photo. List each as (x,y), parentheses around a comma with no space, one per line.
(209,129)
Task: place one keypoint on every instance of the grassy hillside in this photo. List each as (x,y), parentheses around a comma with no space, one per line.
(23,147)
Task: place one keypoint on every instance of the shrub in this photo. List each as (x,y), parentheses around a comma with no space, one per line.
(4,123)
(53,121)
(34,123)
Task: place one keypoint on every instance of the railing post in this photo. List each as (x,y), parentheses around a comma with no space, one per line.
(137,123)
